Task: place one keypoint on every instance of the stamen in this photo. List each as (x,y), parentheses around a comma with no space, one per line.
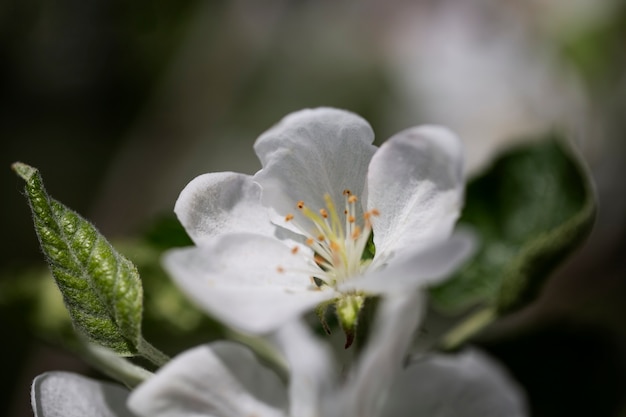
(336,228)
(322,263)
(337,242)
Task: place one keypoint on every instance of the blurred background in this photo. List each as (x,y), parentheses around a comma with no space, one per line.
(120,104)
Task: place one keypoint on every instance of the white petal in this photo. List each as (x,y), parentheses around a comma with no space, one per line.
(198,383)
(311,153)
(415,181)
(426,267)
(263,383)
(237,279)
(222,202)
(55,394)
(465,385)
(312,369)
(384,355)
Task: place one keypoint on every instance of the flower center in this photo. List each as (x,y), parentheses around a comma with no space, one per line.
(338,242)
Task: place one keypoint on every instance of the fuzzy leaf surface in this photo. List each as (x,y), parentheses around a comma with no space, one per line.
(100,287)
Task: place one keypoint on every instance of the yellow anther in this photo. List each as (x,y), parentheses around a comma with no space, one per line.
(337,242)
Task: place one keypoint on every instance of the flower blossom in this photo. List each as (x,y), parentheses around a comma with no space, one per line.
(330,218)
(224,379)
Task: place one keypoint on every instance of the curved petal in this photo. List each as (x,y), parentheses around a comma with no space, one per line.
(311,153)
(415,181)
(426,267)
(262,382)
(251,282)
(198,383)
(465,385)
(384,355)
(312,369)
(222,202)
(70,395)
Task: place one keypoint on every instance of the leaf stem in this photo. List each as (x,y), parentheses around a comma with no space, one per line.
(151,353)
(467,328)
(113,365)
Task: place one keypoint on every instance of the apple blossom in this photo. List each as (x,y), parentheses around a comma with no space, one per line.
(330,218)
(224,379)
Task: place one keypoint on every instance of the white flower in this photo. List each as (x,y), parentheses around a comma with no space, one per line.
(479,68)
(226,380)
(66,394)
(294,235)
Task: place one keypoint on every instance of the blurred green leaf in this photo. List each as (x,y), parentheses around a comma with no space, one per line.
(101,288)
(595,50)
(531,209)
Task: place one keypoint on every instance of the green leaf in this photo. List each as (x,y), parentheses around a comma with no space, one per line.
(101,288)
(531,209)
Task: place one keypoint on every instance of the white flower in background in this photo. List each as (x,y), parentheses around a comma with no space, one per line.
(294,235)
(480,68)
(226,380)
